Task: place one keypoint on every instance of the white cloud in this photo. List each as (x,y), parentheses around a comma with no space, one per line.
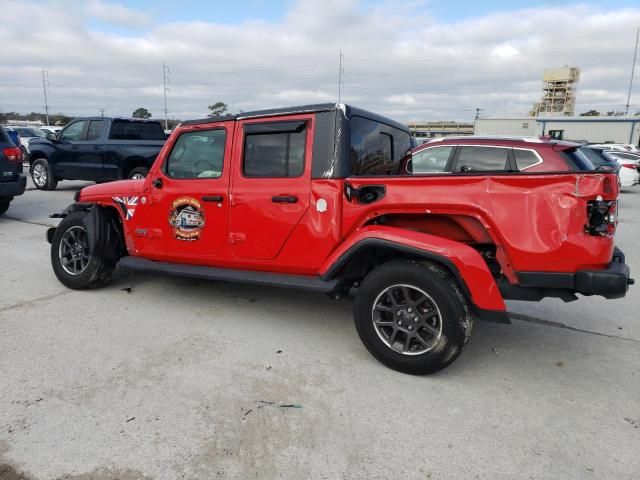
(117,14)
(397,62)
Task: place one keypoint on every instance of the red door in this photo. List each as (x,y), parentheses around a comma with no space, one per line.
(188,206)
(270,187)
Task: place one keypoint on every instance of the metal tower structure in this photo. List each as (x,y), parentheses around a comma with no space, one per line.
(558,92)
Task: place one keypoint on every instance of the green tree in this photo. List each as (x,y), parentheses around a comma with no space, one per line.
(218,109)
(141,113)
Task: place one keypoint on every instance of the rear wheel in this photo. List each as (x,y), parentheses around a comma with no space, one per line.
(412,317)
(4,205)
(42,176)
(138,173)
(72,263)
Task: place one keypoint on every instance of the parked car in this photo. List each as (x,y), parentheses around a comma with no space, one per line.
(12,181)
(50,129)
(315,198)
(98,148)
(629,172)
(26,135)
(620,147)
(14,136)
(496,154)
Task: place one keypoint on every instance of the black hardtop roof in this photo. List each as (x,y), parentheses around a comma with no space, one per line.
(321,107)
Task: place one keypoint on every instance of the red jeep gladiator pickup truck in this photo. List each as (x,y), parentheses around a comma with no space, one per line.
(313,197)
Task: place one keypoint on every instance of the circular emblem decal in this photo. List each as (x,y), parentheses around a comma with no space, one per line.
(186,218)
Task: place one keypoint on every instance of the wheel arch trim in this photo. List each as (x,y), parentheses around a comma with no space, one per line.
(464,262)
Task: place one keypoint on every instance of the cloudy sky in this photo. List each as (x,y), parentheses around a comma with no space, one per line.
(412,60)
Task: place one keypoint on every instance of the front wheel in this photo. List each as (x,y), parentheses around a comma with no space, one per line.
(72,263)
(42,175)
(412,316)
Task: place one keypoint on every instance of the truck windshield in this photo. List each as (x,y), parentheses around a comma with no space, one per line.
(128,130)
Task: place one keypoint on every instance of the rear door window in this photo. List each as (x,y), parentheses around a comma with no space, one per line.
(431,160)
(482,159)
(127,130)
(274,150)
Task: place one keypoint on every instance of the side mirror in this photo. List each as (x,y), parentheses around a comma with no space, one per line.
(52,136)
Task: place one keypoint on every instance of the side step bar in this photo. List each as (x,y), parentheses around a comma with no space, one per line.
(230,275)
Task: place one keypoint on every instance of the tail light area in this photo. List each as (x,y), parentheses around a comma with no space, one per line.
(602,217)
(632,166)
(13,154)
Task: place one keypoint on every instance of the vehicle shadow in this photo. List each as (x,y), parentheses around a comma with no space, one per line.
(517,349)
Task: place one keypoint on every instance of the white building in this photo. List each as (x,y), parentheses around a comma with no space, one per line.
(591,129)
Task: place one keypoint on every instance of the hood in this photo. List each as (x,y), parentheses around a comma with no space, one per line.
(120,187)
(37,140)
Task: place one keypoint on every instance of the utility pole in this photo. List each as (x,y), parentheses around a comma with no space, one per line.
(633,68)
(165,81)
(340,72)
(102,112)
(478,110)
(45,84)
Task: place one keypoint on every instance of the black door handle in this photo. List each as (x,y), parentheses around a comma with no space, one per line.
(284,199)
(97,147)
(213,198)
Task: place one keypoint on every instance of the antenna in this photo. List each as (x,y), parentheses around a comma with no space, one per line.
(165,81)
(635,54)
(340,72)
(45,87)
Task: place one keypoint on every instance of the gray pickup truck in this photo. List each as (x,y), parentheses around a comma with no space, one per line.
(98,148)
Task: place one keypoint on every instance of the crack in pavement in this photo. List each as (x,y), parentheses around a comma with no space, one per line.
(549,323)
(27,303)
(27,221)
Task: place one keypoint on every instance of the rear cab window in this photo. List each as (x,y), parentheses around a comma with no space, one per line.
(377,148)
(129,130)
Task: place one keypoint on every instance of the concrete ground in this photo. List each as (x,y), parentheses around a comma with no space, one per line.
(201,380)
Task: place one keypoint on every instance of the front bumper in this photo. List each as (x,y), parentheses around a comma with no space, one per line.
(612,282)
(13,188)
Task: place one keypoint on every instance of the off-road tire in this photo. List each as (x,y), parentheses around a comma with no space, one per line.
(455,318)
(143,171)
(4,205)
(42,176)
(98,271)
